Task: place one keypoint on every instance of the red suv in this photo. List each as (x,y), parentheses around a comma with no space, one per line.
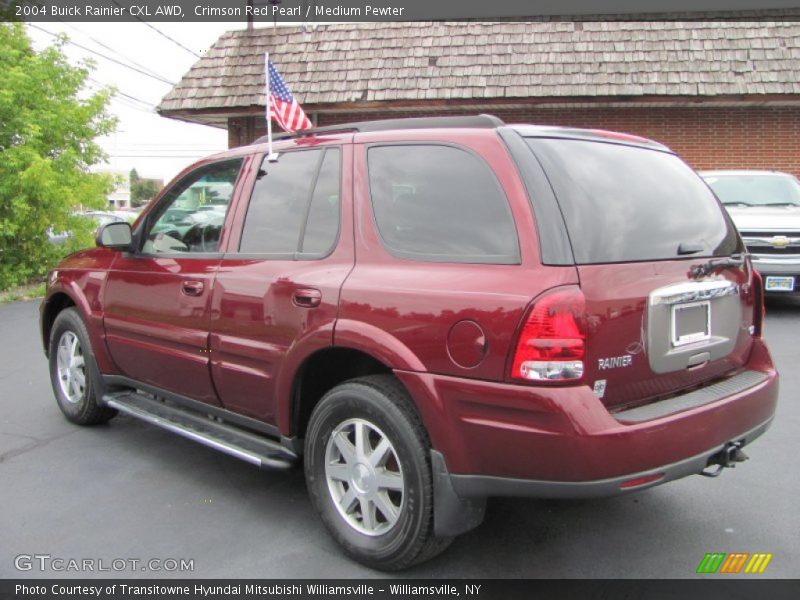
(428,312)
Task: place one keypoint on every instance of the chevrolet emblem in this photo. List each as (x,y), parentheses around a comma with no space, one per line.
(779,241)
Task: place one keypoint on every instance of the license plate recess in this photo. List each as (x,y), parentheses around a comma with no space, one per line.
(691,323)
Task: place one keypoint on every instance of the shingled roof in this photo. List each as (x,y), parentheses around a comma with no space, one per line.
(371,64)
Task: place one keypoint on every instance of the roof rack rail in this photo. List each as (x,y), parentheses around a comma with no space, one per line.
(468,122)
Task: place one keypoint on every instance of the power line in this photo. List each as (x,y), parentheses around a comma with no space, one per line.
(135,100)
(133,106)
(144,147)
(117,52)
(122,99)
(155,155)
(122,147)
(122,64)
(161,33)
(120,93)
(126,100)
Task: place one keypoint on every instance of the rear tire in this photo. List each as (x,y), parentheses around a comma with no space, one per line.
(73,371)
(367,467)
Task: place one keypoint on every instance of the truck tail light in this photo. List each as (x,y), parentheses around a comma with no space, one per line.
(552,341)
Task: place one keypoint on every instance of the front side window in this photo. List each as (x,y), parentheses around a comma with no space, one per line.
(294,208)
(440,203)
(191,215)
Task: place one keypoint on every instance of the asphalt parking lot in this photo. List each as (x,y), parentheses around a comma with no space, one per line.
(130,491)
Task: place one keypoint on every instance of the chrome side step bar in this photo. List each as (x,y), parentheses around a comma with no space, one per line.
(211,432)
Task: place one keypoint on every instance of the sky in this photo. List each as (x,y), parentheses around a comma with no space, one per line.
(156,147)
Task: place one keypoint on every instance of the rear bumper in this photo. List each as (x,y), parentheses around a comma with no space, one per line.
(477,486)
(498,439)
(460,500)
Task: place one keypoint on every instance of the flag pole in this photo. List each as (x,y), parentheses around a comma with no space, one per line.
(271,156)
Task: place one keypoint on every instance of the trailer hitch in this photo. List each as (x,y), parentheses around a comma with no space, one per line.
(726,458)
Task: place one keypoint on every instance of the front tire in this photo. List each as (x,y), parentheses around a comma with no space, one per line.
(367,466)
(73,371)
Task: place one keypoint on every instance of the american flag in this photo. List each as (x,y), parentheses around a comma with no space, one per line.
(284,108)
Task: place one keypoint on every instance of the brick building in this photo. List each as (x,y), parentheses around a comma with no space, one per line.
(723,94)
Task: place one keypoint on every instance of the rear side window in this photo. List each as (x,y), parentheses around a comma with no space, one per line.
(294,208)
(440,203)
(623,203)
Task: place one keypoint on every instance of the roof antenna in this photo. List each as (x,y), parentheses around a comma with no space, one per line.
(274,14)
(308,7)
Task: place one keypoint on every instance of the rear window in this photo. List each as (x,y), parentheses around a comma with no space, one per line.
(440,203)
(623,203)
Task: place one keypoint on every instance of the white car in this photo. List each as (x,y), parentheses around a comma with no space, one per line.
(765,207)
(100,217)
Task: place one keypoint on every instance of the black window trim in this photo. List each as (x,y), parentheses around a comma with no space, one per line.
(296,256)
(555,245)
(482,259)
(140,233)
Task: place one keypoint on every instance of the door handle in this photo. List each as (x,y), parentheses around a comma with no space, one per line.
(307,297)
(192,288)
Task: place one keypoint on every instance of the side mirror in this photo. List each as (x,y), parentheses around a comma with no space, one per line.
(114,235)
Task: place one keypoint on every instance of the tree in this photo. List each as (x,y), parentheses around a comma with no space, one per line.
(48,124)
(142,190)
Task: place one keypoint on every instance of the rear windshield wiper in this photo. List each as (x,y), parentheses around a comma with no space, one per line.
(689,248)
(780,204)
(706,268)
(737,204)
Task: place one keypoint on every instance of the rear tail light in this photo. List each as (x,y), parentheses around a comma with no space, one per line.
(759,309)
(552,341)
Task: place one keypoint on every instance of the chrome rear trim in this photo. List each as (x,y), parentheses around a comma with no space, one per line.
(693,292)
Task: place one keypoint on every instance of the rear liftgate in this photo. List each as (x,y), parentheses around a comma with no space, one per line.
(702,318)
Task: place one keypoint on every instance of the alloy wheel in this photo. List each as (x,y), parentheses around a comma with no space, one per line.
(364,477)
(71,367)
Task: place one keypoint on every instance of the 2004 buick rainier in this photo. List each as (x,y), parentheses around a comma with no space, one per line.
(425,313)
